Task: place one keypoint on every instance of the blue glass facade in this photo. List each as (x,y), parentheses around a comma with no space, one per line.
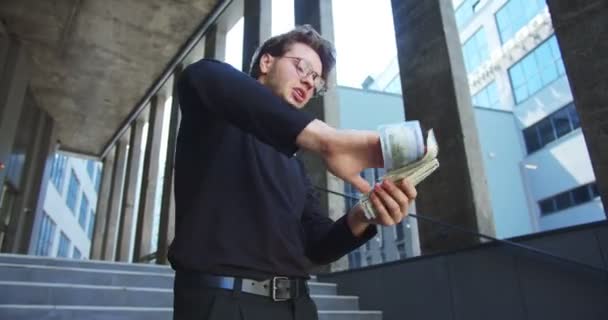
(515,14)
(475,50)
(536,70)
(73,190)
(487,97)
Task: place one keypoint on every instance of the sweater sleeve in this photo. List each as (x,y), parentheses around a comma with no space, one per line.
(325,240)
(209,88)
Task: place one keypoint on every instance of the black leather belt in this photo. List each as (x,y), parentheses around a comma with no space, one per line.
(276,288)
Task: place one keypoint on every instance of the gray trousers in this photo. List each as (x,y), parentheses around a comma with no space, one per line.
(191,301)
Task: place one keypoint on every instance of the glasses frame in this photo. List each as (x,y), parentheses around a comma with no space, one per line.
(304,70)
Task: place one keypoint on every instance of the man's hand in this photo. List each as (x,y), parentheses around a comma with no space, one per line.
(346,152)
(391,202)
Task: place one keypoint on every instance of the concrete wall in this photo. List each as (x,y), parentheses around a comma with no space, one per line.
(491,282)
(366,110)
(502,152)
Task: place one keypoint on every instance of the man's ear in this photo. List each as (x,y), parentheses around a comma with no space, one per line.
(266,62)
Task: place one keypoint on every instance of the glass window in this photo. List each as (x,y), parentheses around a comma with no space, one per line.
(545,130)
(354,259)
(515,14)
(563,201)
(399,234)
(594,191)
(581,194)
(550,128)
(64,246)
(91,169)
(532,139)
(570,198)
(401,250)
(475,50)
(487,97)
(561,122)
(58,171)
(73,190)
(76,254)
(574,117)
(536,70)
(84,210)
(465,11)
(91,227)
(46,235)
(547,206)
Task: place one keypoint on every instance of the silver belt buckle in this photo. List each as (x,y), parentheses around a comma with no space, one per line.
(276,297)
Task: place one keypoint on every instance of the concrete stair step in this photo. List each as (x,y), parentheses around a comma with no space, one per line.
(350,315)
(44,293)
(73,275)
(94,264)
(108,277)
(46,312)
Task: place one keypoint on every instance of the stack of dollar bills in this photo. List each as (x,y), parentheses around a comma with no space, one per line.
(405,156)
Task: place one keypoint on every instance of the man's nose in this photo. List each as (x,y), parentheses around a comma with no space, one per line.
(308,81)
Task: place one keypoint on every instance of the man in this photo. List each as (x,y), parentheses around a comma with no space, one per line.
(248,220)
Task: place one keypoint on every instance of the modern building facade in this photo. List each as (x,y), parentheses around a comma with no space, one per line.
(515,65)
(65,227)
(535,157)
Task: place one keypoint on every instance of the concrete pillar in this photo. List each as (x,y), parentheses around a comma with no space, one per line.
(103,201)
(150,176)
(14,77)
(215,43)
(168,199)
(25,144)
(113,215)
(435,86)
(127,217)
(256,29)
(318,13)
(582,33)
(40,157)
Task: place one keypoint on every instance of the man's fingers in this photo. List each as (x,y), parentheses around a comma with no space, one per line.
(409,189)
(361,184)
(382,214)
(397,194)
(394,206)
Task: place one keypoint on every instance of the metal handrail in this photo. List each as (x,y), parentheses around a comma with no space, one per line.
(484,236)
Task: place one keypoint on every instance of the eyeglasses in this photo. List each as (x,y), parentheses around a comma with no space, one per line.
(304,70)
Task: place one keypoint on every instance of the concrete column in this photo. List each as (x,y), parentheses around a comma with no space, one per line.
(215,43)
(150,176)
(113,215)
(582,33)
(318,13)
(103,201)
(435,86)
(25,143)
(168,200)
(37,172)
(14,77)
(127,217)
(256,29)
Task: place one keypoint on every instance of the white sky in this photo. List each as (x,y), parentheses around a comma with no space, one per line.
(363,30)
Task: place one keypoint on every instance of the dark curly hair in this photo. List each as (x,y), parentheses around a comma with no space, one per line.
(305,34)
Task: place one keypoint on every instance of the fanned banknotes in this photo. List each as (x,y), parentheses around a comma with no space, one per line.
(405,156)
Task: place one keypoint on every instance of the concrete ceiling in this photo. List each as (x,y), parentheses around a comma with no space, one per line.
(92,61)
